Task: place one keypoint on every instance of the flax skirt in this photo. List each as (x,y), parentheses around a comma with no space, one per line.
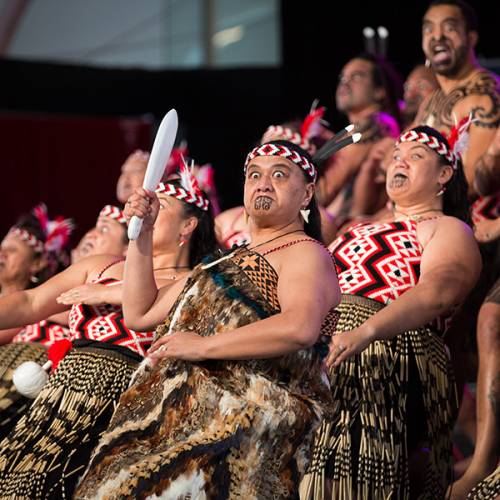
(395,396)
(12,404)
(49,448)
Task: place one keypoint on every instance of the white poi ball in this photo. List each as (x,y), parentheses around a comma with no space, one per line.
(29,379)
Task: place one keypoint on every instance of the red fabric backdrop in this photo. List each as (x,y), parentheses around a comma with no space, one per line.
(71,163)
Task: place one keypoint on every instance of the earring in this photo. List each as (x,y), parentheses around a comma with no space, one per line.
(427,63)
(34,279)
(182,242)
(305,215)
(441,191)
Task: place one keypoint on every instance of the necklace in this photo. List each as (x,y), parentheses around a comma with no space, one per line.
(174,277)
(171,267)
(275,238)
(417,216)
(229,255)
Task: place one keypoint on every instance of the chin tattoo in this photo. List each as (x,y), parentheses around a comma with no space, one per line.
(263,203)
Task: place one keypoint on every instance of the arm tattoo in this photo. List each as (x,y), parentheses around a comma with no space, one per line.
(438,111)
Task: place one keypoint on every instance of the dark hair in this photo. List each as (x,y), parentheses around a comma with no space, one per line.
(468,12)
(313,227)
(455,199)
(55,262)
(203,241)
(385,76)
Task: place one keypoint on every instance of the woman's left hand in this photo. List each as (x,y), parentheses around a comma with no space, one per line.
(180,345)
(347,344)
(91,294)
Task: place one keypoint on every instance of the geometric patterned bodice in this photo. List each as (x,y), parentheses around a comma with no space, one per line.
(45,332)
(105,323)
(486,207)
(379,261)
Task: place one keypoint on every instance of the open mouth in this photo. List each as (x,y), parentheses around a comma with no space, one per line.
(441,53)
(398,180)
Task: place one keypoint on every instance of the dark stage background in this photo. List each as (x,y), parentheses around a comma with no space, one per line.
(65,130)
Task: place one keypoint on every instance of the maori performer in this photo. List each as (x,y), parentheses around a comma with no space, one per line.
(33,250)
(50,446)
(449,37)
(389,370)
(234,389)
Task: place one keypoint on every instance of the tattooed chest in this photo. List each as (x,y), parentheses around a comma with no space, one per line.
(479,97)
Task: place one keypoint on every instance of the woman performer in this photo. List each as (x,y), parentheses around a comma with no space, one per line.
(231,226)
(236,387)
(31,342)
(50,446)
(33,250)
(389,370)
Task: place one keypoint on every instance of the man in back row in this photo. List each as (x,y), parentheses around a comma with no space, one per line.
(449,38)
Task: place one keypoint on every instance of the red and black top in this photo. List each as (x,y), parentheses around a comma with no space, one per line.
(45,332)
(105,323)
(380,261)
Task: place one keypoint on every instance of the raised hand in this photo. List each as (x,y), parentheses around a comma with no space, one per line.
(143,204)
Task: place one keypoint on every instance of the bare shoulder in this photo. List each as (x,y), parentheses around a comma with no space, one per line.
(305,255)
(453,224)
(445,226)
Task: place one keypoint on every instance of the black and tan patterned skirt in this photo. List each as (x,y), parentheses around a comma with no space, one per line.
(488,488)
(395,397)
(12,404)
(50,446)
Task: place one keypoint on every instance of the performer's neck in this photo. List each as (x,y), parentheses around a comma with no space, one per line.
(176,258)
(358,116)
(449,83)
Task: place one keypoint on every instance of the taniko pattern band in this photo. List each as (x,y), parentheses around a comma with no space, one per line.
(284,152)
(113,213)
(432,142)
(27,237)
(183,195)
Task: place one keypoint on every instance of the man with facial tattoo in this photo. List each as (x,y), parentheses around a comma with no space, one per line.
(449,37)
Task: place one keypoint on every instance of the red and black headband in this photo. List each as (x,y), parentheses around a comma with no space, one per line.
(287,150)
(450,148)
(189,191)
(113,213)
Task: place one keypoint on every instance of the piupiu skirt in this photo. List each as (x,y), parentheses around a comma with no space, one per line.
(13,404)
(389,400)
(50,446)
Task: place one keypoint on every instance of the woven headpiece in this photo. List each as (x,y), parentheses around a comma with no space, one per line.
(113,213)
(56,232)
(188,192)
(287,150)
(450,149)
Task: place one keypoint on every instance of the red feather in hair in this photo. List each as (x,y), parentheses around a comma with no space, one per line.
(310,125)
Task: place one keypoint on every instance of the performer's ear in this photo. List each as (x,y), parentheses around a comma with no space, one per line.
(188,226)
(472,38)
